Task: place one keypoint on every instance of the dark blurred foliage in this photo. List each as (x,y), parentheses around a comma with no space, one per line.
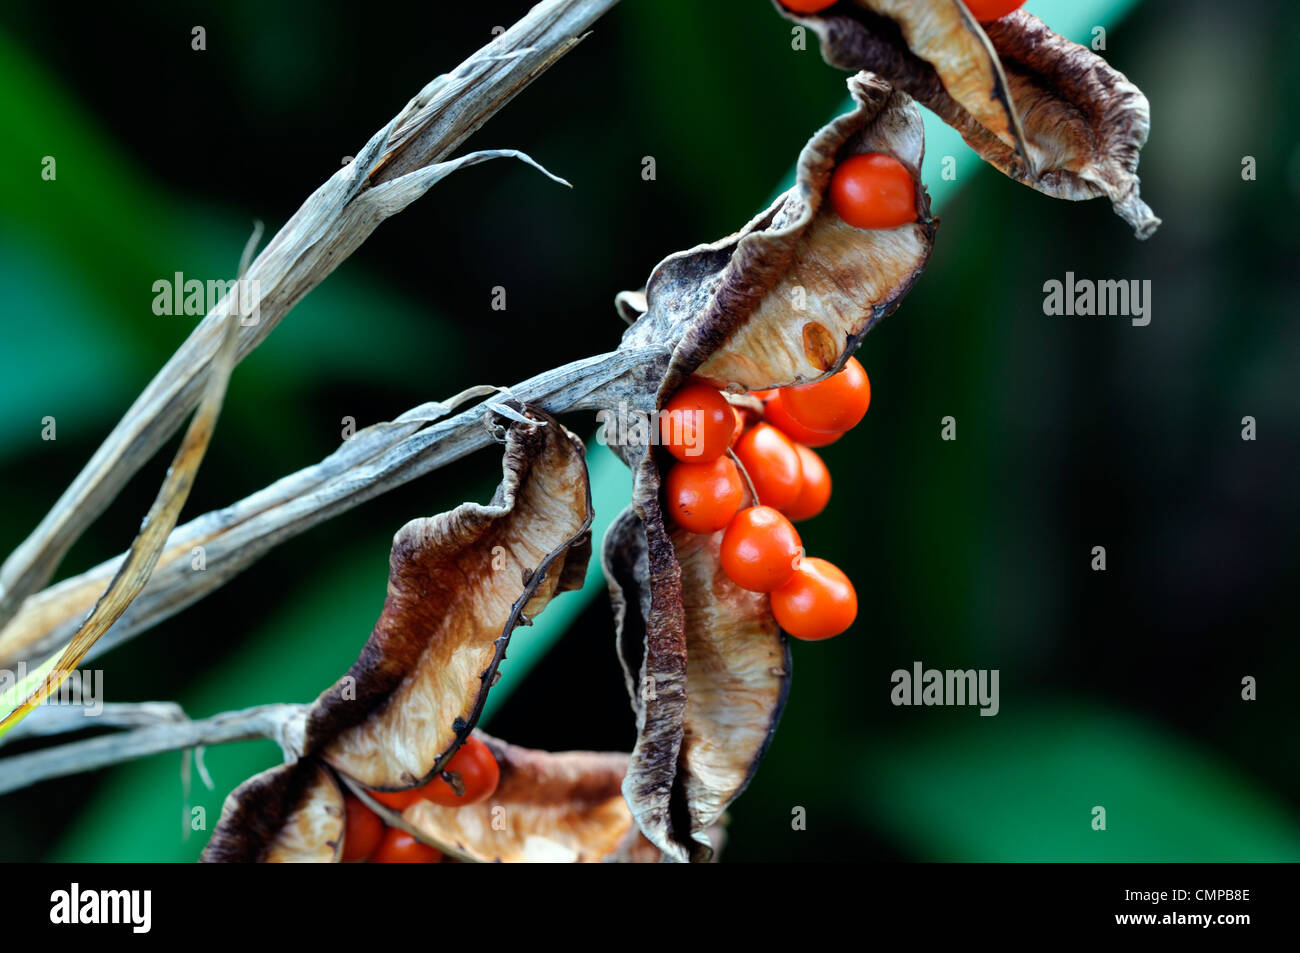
(1119,688)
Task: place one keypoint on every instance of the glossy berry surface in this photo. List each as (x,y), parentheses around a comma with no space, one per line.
(397,800)
(759,549)
(775,413)
(807,6)
(874,191)
(696,424)
(703,497)
(399,847)
(815,492)
(363,830)
(818,602)
(988,10)
(833,405)
(772,464)
(479,773)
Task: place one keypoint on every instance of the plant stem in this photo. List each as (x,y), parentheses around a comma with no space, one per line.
(263,721)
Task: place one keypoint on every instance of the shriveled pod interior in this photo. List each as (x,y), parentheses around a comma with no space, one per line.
(1045,111)
(554,807)
(292,813)
(459,584)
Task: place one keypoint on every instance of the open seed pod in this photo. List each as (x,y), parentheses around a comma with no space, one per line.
(737,676)
(1045,111)
(561,807)
(789,297)
(292,813)
(785,300)
(459,584)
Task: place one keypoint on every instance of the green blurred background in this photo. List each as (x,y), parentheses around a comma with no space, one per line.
(1119,689)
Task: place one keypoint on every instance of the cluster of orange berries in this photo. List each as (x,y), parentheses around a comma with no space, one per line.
(982,10)
(368,838)
(705,491)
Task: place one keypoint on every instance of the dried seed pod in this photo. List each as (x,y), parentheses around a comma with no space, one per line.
(459,584)
(659,690)
(292,813)
(456,591)
(626,563)
(788,297)
(1045,111)
(785,300)
(564,807)
(737,680)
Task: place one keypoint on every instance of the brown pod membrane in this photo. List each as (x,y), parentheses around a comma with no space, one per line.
(1086,122)
(459,583)
(289,814)
(659,697)
(737,678)
(1045,111)
(788,298)
(558,807)
(626,564)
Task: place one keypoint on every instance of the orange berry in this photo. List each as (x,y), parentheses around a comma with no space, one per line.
(777,415)
(696,424)
(873,191)
(399,847)
(759,549)
(740,426)
(772,464)
(834,405)
(397,800)
(817,603)
(816,490)
(808,6)
(988,10)
(703,497)
(479,773)
(362,831)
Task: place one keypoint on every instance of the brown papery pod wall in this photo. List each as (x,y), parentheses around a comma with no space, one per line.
(1045,111)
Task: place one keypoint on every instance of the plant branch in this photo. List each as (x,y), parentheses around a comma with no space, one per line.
(264,721)
(397,165)
(65,719)
(373,461)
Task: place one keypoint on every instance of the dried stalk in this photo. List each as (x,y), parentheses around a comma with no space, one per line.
(375,460)
(138,564)
(65,719)
(397,165)
(264,721)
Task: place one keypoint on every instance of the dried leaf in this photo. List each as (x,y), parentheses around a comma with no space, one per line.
(1045,111)
(456,591)
(289,814)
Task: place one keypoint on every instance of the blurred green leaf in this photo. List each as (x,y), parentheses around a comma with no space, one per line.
(1022,786)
